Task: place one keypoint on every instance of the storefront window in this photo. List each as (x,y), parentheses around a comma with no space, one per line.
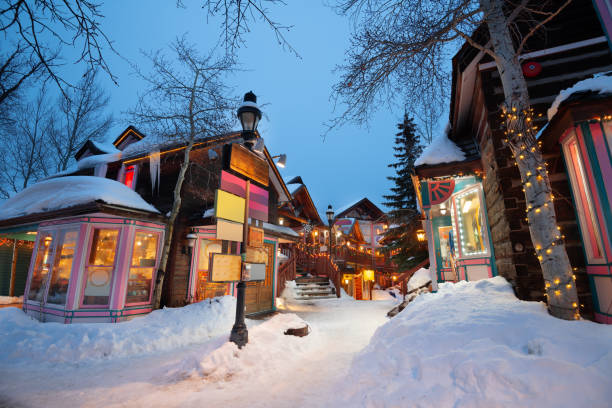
(470,222)
(41,267)
(62,267)
(205,289)
(100,268)
(584,202)
(142,267)
(445,246)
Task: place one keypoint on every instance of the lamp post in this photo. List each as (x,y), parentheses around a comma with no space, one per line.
(330,219)
(249,115)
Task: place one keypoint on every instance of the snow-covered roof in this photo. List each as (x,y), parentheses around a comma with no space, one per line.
(601,84)
(105,147)
(93,161)
(441,150)
(64,192)
(280,229)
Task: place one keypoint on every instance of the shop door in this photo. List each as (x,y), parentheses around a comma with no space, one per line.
(260,295)
(442,243)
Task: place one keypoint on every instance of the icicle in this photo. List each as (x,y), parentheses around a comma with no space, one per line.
(154,170)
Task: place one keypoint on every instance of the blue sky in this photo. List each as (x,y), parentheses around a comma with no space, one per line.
(352,161)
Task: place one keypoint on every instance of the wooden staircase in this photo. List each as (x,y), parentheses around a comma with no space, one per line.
(316,287)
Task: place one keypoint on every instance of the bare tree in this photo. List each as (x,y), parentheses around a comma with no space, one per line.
(402,44)
(17,66)
(80,116)
(41,29)
(186,100)
(22,145)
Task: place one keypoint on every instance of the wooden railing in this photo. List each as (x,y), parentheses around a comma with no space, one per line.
(319,264)
(286,271)
(405,276)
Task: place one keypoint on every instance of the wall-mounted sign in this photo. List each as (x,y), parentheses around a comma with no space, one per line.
(229,206)
(247,163)
(256,255)
(256,237)
(258,197)
(225,268)
(229,230)
(254,272)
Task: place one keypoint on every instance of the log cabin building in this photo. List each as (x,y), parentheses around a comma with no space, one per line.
(99,230)
(573,47)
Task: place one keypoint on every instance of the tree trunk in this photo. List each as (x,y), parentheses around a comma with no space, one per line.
(520,137)
(176,206)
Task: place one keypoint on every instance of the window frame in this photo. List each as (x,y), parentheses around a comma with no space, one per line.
(75,260)
(457,223)
(129,265)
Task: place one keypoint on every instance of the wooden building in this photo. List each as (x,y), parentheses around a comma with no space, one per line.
(122,244)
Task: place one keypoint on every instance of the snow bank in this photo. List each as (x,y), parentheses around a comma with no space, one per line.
(9,300)
(23,338)
(64,192)
(599,84)
(441,150)
(382,295)
(474,344)
(268,347)
(419,278)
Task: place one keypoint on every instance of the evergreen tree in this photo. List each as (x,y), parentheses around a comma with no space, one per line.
(400,239)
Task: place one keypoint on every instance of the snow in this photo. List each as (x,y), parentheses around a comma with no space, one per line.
(27,340)
(419,278)
(601,84)
(106,147)
(93,161)
(64,192)
(441,150)
(474,344)
(9,300)
(280,229)
(378,294)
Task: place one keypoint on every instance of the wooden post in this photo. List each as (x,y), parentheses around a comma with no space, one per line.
(13,269)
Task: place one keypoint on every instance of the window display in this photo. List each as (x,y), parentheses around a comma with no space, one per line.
(62,267)
(142,267)
(101,265)
(41,267)
(204,288)
(472,229)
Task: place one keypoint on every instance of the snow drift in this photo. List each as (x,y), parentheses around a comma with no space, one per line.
(476,345)
(441,150)
(23,338)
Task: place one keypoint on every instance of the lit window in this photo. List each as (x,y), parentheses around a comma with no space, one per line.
(471,224)
(142,267)
(62,267)
(128,176)
(42,266)
(100,267)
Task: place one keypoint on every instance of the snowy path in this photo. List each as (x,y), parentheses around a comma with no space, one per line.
(303,374)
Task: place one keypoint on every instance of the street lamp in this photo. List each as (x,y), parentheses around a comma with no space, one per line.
(420,235)
(249,115)
(330,220)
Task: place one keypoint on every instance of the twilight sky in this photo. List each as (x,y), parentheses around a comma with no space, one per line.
(351,163)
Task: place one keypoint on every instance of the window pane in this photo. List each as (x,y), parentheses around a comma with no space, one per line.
(139,285)
(144,256)
(145,249)
(62,266)
(471,228)
(103,247)
(101,265)
(41,267)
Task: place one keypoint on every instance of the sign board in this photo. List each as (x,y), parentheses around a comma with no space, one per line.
(258,197)
(225,268)
(256,255)
(254,272)
(229,230)
(247,163)
(323,248)
(256,237)
(229,206)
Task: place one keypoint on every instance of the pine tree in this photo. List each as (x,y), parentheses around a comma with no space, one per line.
(400,239)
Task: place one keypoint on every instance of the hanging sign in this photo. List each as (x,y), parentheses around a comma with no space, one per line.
(256,255)
(225,268)
(247,163)
(229,230)
(256,237)
(229,206)
(254,272)
(258,197)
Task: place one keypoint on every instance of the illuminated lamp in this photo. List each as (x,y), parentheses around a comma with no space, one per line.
(249,116)
(420,235)
(368,275)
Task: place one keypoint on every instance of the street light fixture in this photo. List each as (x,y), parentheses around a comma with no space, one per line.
(330,219)
(420,235)
(249,115)
(282,160)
